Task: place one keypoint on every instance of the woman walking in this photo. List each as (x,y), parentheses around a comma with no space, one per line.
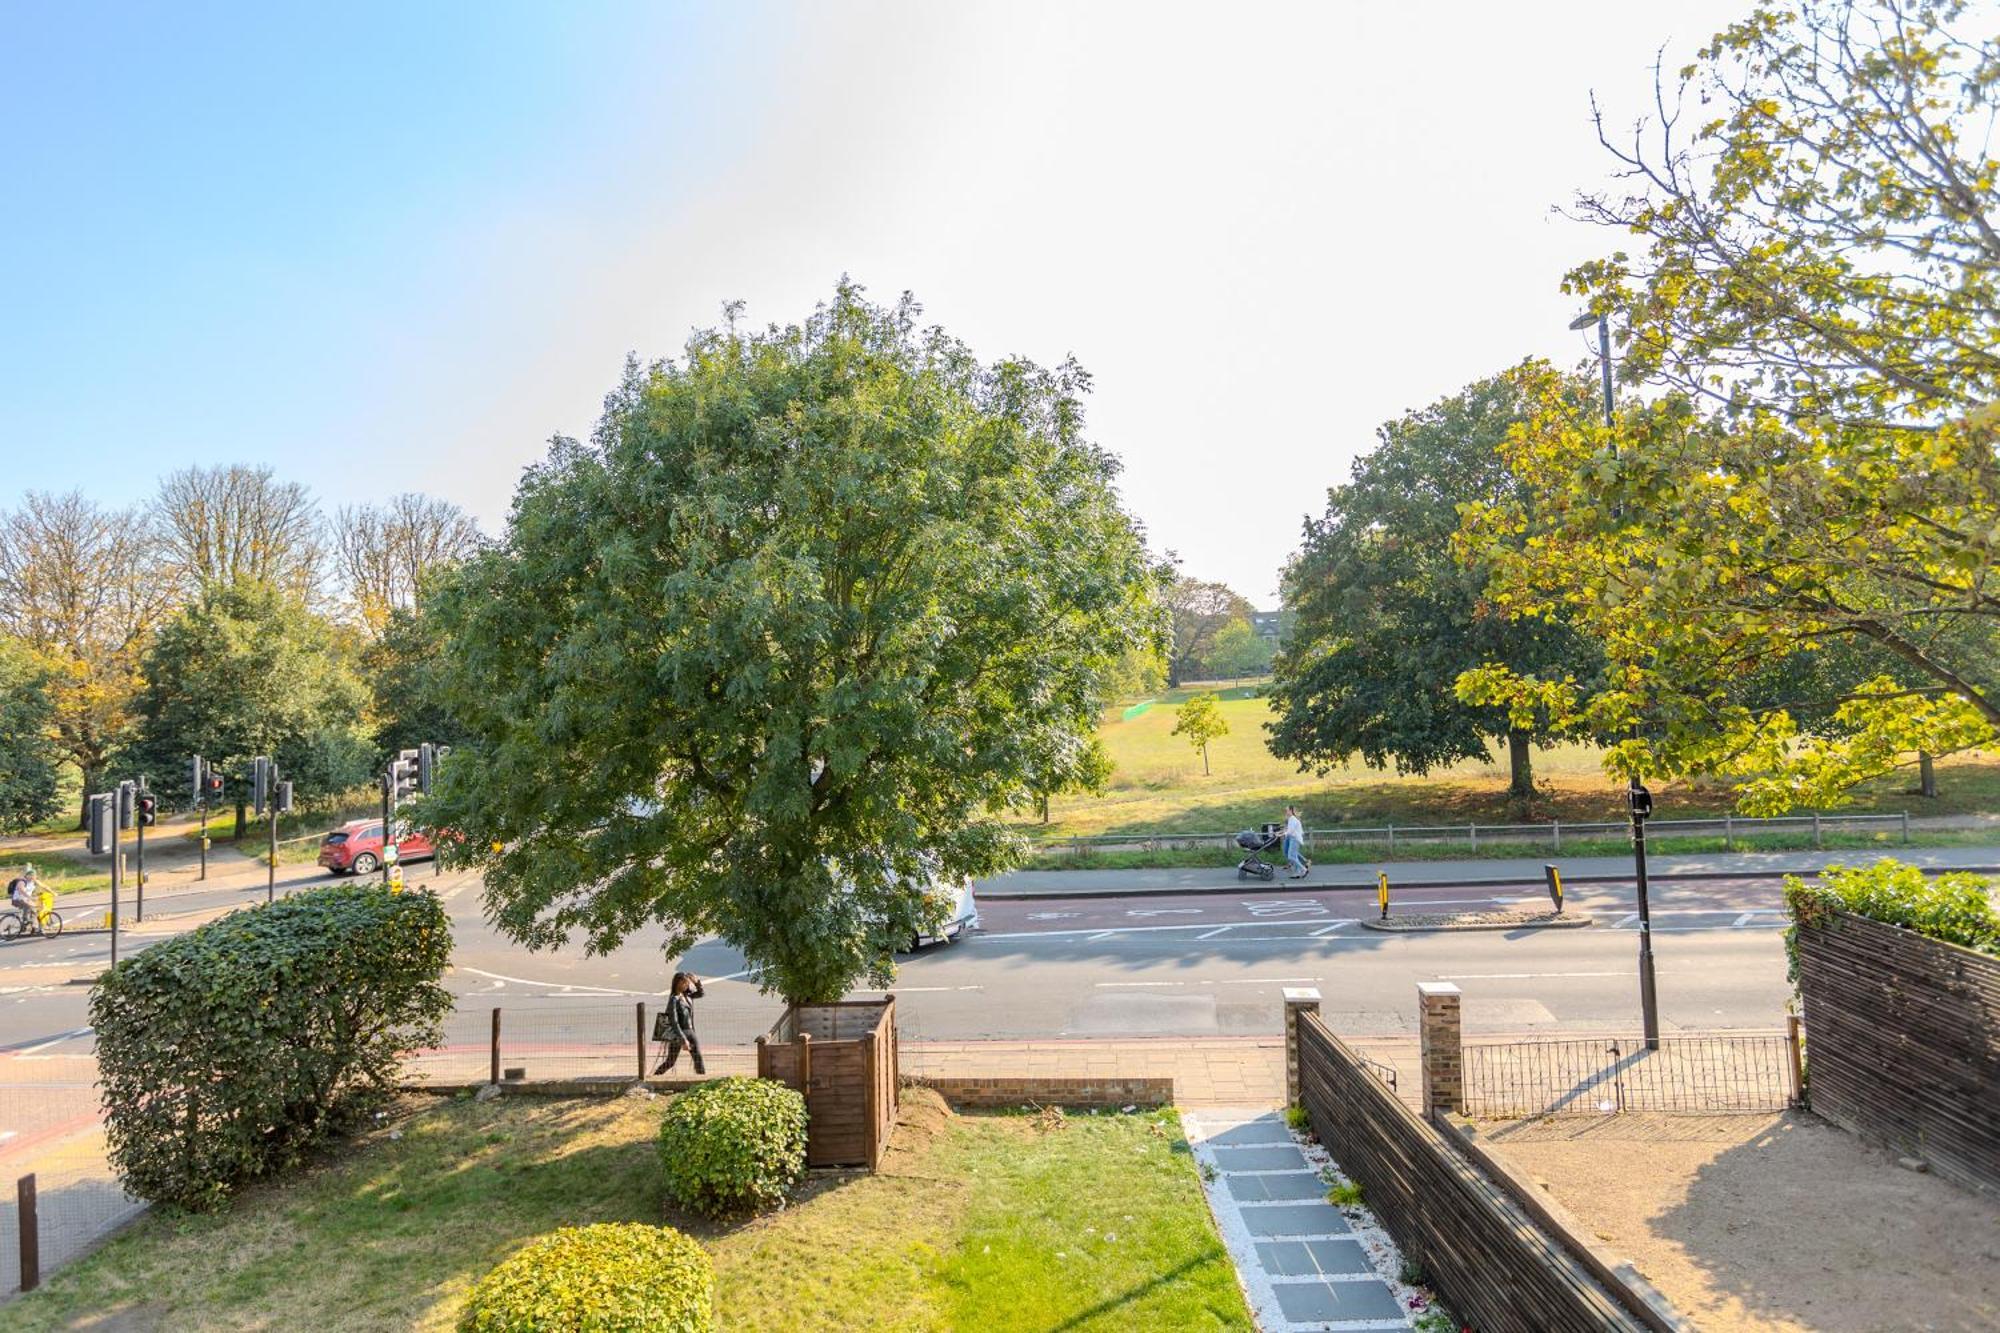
(676,1023)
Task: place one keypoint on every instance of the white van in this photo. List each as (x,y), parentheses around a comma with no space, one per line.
(964,916)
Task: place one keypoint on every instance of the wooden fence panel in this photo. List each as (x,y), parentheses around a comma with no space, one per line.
(849,1053)
(1494,1267)
(1903,1043)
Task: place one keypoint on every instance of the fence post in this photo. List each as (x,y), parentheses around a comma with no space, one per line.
(1298,1000)
(639,1041)
(496,1044)
(1793,1052)
(1472,835)
(1906,828)
(1816,842)
(1556,827)
(1439,1047)
(31,1232)
(1392,837)
(1728,830)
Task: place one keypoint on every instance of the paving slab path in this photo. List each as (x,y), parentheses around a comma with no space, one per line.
(1304,1263)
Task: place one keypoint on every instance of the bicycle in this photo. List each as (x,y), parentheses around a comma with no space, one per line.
(14,921)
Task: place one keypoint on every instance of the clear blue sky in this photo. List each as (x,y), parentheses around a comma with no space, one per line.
(396,247)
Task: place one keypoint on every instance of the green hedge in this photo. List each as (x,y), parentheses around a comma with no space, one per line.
(226,1053)
(608,1278)
(733,1145)
(1956,907)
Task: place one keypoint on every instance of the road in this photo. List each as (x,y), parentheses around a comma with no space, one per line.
(1186,965)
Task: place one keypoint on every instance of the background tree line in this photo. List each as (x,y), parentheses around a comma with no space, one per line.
(229,616)
(1779,564)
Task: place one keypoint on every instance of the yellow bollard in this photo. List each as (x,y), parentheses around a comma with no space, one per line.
(1382,892)
(1555,878)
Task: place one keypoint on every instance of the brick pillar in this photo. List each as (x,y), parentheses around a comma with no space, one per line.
(1438,1046)
(1297,1001)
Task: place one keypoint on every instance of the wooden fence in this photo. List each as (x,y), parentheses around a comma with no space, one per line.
(843,1057)
(1495,1268)
(1903,1043)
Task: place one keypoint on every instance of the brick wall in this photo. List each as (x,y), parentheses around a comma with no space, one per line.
(1012,1092)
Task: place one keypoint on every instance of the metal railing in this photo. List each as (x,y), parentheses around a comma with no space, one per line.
(1544,836)
(1708,1074)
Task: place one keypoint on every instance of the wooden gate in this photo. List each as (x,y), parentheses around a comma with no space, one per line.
(843,1058)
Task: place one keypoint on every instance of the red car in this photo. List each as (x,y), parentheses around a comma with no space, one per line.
(355,848)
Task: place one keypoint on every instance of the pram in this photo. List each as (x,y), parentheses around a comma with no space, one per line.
(1254,841)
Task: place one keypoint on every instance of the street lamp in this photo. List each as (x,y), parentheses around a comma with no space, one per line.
(1638,800)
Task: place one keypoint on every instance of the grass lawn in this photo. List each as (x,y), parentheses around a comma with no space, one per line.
(59,872)
(983,1222)
(1157,785)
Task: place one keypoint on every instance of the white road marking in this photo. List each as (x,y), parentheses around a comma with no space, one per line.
(1624,921)
(1098,936)
(554,985)
(1521,976)
(55,1041)
(1744,920)
(1055,916)
(1106,985)
(1156,911)
(1209,935)
(746,972)
(1307,908)
(1263,981)
(1328,930)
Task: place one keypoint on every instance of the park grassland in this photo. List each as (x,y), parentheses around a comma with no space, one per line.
(1157,785)
(1000,1222)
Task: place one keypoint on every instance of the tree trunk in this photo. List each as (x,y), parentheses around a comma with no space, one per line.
(1521,767)
(1926,775)
(1204,761)
(91,779)
(242,821)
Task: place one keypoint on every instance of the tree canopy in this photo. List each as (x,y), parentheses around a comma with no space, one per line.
(1389,615)
(1201,721)
(813,607)
(30,789)
(1815,310)
(1199,610)
(246,669)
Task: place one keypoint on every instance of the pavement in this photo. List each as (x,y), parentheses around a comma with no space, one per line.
(1496,872)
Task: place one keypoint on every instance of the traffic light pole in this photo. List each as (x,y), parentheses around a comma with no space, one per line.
(388,812)
(1649,1001)
(140,819)
(202,806)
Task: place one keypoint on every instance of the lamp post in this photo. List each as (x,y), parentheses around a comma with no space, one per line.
(1638,800)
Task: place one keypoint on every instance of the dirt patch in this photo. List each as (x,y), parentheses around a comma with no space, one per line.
(922,1118)
(1770,1222)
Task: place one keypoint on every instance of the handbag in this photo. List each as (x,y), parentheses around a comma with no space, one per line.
(662,1029)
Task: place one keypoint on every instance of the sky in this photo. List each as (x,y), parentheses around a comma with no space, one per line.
(398,247)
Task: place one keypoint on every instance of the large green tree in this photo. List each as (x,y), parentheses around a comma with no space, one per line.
(247,669)
(1198,610)
(401,668)
(813,608)
(30,790)
(1815,303)
(1389,614)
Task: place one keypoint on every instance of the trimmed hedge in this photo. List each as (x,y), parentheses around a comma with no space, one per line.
(733,1145)
(1955,907)
(608,1278)
(226,1053)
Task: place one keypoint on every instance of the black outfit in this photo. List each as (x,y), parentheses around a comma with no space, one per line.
(680,1029)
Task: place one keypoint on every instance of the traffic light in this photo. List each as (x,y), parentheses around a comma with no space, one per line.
(285,798)
(126,792)
(260,783)
(149,809)
(102,824)
(426,766)
(200,788)
(403,774)
(211,788)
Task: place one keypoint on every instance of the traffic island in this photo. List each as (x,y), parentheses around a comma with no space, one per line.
(1480,921)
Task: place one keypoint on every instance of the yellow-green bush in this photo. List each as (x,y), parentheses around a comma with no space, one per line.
(734,1144)
(612,1277)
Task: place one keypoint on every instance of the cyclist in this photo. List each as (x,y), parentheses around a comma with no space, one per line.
(25,895)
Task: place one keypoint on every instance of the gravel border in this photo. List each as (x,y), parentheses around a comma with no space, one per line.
(1481,921)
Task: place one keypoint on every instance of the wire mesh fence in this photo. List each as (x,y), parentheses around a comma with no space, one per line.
(1696,1075)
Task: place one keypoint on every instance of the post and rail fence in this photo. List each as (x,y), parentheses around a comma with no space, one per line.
(1525,838)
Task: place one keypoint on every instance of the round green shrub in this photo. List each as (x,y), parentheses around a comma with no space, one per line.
(608,1278)
(733,1145)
